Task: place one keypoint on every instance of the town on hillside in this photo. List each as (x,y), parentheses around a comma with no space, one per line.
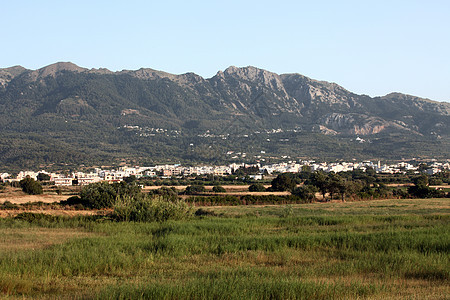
(177,170)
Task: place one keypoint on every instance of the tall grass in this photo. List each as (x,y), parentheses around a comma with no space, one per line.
(316,256)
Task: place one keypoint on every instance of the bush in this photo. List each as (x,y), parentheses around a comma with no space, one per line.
(33,217)
(31,186)
(425,192)
(203,212)
(103,195)
(283,183)
(150,209)
(8,205)
(306,192)
(219,189)
(194,189)
(435,181)
(400,193)
(43,177)
(98,195)
(257,187)
(165,192)
(75,201)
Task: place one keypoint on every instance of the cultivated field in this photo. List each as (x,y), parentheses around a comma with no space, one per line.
(383,249)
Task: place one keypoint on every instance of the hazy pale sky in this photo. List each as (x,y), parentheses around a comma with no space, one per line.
(368,47)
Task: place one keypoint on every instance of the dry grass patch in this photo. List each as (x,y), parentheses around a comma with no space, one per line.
(21,198)
(53,212)
(36,238)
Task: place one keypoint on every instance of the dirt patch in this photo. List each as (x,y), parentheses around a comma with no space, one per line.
(17,198)
(155,187)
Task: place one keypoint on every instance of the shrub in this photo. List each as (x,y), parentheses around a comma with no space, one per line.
(257,187)
(98,195)
(43,177)
(400,193)
(103,195)
(283,183)
(194,189)
(150,209)
(219,189)
(8,205)
(31,186)
(288,211)
(33,217)
(306,192)
(203,212)
(435,181)
(165,192)
(74,201)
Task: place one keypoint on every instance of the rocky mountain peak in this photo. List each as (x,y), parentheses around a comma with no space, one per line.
(7,74)
(256,75)
(14,71)
(53,69)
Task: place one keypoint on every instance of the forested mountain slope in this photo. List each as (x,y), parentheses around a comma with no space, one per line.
(64,114)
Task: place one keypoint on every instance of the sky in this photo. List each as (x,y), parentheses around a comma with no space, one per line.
(368,47)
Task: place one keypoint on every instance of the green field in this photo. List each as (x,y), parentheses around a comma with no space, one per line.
(393,249)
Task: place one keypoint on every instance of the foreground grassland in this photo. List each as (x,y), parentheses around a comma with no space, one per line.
(396,249)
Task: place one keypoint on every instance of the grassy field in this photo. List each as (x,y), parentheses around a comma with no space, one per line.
(395,249)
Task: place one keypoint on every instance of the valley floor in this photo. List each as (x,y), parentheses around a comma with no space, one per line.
(396,249)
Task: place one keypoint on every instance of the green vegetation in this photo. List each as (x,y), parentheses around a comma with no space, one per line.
(195,189)
(283,182)
(150,209)
(219,189)
(373,249)
(31,186)
(103,195)
(43,177)
(257,187)
(85,115)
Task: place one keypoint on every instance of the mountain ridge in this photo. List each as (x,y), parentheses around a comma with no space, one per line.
(93,106)
(149,73)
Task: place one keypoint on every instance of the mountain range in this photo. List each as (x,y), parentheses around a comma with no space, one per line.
(66,115)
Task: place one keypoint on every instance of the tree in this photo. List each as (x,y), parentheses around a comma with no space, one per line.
(98,195)
(43,177)
(334,184)
(31,186)
(283,183)
(420,189)
(130,179)
(320,180)
(257,187)
(345,188)
(307,192)
(371,172)
(421,181)
(349,187)
(382,190)
(422,167)
(305,174)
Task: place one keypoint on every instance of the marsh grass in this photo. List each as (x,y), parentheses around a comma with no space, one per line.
(358,250)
